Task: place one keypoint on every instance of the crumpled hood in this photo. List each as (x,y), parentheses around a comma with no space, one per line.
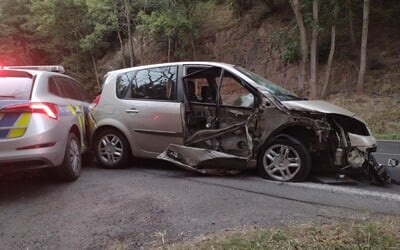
(318,106)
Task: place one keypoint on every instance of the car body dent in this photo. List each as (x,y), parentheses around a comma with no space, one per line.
(204,161)
(318,106)
(362,142)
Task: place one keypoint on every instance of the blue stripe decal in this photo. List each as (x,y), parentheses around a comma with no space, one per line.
(9,119)
(4,133)
(11,102)
(64,111)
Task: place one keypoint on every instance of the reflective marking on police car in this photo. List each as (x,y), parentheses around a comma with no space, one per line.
(13,125)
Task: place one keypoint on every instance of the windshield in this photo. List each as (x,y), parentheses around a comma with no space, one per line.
(279,92)
(15,88)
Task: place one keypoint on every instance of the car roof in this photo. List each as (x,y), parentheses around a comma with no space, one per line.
(218,64)
(37,72)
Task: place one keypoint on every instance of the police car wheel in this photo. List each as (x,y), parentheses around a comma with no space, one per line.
(71,167)
(111,148)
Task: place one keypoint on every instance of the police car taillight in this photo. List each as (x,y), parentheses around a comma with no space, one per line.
(46,108)
(96,101)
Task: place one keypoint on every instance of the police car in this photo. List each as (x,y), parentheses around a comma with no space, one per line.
(42,120)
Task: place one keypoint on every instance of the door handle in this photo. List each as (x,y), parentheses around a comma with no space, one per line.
(132,111)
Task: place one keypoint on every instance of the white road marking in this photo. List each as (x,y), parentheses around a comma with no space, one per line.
(386,154)
(344,190)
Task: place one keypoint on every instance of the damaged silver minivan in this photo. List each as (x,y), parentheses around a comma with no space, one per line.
(216,118)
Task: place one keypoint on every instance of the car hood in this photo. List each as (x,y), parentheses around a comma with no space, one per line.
(317,106)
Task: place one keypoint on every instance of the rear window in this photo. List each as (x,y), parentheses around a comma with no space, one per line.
(15,85)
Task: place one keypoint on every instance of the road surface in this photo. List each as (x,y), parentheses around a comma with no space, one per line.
(387,150)
(152,202)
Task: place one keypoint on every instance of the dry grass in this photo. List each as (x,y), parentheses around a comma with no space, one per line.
(382,114)
(378,234)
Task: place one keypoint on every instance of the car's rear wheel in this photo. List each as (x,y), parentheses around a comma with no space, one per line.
(71,167)
(284,159)
(111,148)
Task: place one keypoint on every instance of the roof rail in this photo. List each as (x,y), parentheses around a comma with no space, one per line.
(51,68)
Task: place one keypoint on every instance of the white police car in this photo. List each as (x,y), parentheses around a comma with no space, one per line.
(42,120)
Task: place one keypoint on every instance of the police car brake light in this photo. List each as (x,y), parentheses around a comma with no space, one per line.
(96,101)
(46,108)
(51,68)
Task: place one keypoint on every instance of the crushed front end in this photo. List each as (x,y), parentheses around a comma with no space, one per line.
(353,145)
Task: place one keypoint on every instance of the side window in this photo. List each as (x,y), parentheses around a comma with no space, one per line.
(156,83)
(77,91)
(65,87)
(233,93)
(203,86)
(53,88)
(200,90)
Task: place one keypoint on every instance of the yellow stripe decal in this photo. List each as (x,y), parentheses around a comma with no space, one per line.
(71,109)
(21,126)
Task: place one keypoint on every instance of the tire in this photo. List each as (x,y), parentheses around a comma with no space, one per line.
(111,149)
(71,167)
(284,159)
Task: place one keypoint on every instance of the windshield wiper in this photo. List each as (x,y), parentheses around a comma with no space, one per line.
(7,96)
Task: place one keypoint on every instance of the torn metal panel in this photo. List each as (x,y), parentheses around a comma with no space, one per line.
(204,161)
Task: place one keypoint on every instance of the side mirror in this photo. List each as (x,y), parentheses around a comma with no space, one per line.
(393,163)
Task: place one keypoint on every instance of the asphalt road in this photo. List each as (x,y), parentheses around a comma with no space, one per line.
(387,150)
(152,203)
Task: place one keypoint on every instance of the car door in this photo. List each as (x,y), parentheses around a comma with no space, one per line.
(72,101)
(219,101)
(220,117)
(148,107)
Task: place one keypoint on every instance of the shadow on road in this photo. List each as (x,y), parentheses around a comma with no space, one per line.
(27,185)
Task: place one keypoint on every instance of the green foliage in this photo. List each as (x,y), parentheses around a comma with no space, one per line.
(15,38)
(240,6)
(175,25)
(288,43)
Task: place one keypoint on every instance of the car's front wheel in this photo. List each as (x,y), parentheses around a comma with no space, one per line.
(71,167)
(111,148)
(284,159)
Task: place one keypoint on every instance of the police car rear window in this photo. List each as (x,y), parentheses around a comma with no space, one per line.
(15,85)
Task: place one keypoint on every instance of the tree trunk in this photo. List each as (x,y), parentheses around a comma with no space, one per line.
(351,25)
(314,51)
(363,54)
(271,5)
(331,53)
(130,40)
(169,49)
(96,72)
(121,44)
(303,42)
(193,47)
(141,51)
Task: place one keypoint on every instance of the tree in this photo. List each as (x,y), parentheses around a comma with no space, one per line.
(130,36)
(303,41)
(314,50)
(175,26)
(328,70)
(351,24)
(364,43)
(107,18)
(15,38)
